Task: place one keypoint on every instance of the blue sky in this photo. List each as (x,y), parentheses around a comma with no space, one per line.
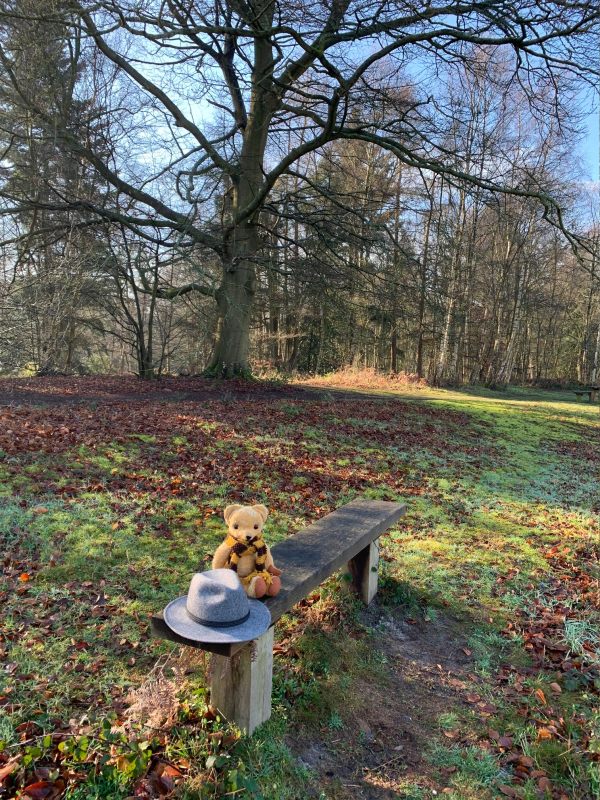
(590,145)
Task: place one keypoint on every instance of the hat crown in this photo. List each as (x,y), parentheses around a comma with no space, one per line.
(217,598)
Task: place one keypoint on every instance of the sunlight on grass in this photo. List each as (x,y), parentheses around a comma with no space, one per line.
(99,537)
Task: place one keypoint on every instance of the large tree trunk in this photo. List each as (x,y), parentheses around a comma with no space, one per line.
(234,299)
(235,296)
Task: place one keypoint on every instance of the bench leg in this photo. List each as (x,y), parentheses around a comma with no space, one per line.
(364,571)
(241,685)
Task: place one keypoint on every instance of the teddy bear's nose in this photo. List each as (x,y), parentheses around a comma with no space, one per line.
(248,536)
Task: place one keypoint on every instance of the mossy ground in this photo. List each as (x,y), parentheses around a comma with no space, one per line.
(108,506)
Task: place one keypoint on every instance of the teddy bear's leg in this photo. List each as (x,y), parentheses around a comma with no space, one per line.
(257,587)
(275,586)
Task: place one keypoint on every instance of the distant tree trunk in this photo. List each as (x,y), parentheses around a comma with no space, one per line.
(273,318)
(586,361)
(596,357)
(423,290)
(508,362)
(446,366)
(394,351)
(321,340)
(442,362)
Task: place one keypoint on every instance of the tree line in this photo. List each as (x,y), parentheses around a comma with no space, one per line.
(188,185)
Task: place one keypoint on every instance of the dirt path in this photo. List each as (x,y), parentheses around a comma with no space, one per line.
(384,751)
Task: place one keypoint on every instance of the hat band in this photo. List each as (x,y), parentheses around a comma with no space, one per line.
(212,624)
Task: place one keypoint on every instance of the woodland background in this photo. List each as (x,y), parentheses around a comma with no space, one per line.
(365,261)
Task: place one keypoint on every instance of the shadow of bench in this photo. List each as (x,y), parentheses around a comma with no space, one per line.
(242,674)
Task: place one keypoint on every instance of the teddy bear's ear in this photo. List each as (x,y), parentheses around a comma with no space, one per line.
(230,510)
(262,510)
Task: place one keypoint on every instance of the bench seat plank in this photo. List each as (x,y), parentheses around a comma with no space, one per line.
(315,553)
(310,557)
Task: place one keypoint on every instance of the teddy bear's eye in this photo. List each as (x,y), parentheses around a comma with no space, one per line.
(256,527)
(236,526)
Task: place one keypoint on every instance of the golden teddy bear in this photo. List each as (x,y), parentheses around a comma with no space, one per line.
(245,551)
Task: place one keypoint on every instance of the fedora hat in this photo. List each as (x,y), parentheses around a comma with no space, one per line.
(216,609)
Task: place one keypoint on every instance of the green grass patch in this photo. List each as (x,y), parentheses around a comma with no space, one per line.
(101,530)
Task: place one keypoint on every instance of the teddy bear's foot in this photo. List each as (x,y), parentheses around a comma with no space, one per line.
(274,587)
(257,588)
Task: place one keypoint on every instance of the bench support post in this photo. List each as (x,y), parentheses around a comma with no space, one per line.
(241,684)
(364,571)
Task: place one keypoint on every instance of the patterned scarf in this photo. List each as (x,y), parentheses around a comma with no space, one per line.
(240,549)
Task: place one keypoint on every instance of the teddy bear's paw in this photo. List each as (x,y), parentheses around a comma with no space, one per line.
(274,587)
(273,570)
(257,588)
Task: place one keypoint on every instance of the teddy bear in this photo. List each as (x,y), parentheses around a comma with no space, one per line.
(245,551)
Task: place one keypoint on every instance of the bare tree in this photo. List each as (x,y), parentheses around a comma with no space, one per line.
(223,85)
(129,287)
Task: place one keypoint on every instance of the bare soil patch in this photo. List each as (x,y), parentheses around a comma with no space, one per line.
(375,758)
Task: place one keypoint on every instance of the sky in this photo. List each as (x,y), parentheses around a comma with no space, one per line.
(590,146)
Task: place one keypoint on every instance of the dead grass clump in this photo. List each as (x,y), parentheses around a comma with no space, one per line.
(154,704)
(366,378)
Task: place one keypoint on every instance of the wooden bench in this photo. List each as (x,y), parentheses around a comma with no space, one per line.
(592,393)
(242,674)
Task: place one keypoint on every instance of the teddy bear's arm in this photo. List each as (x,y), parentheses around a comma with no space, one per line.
(270,564)
(221,555)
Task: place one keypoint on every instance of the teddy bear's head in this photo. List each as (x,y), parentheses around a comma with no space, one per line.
(245,523)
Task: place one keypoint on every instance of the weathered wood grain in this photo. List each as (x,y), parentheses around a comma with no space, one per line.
(364,569)
(240,686)
(311,556)
(316,552)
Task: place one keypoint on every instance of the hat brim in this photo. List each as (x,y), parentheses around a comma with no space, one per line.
(178,619)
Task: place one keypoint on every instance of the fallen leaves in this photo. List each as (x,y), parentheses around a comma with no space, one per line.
(561,596)
(505,742)
(541,696)
(545,733)
(8,769)
(44,790)
(217,443)
(303,454)
(509,791)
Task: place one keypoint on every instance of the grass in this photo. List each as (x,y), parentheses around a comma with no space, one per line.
(104,514)
(476,767)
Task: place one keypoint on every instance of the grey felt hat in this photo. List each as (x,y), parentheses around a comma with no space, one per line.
(216,609)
